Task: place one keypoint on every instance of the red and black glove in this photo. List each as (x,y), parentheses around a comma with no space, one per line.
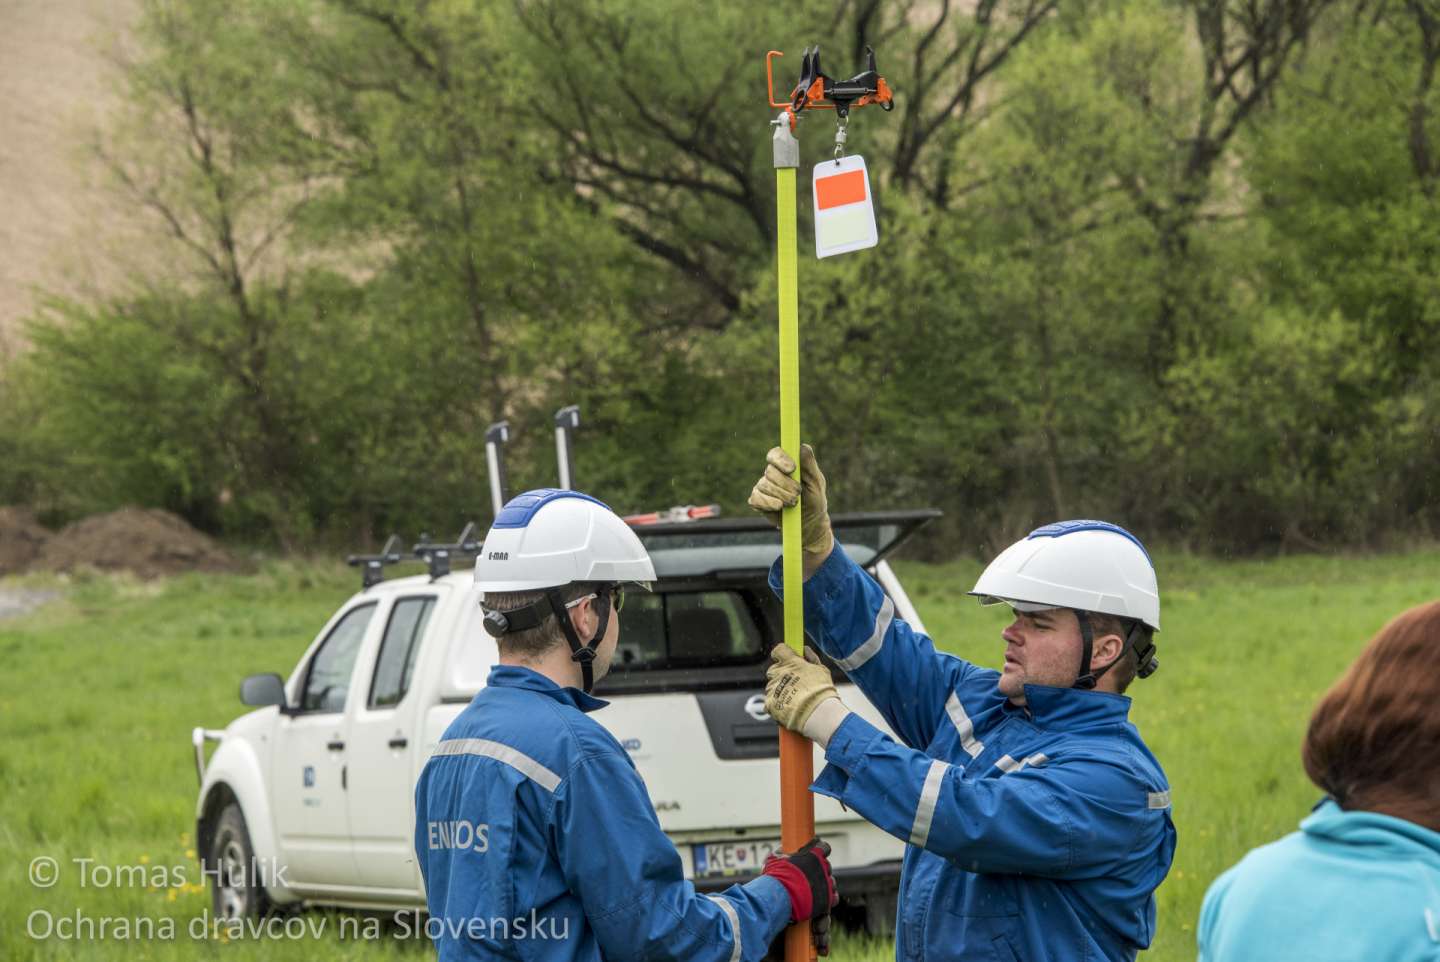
(807,880)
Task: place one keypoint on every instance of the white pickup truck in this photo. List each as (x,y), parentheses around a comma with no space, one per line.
(309,799)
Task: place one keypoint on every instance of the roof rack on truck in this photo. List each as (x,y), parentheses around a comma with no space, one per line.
(437,555)
(372,566)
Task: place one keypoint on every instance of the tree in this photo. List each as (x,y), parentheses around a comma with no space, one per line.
(190,149)
(1245,50)
(658,123)
(1346,185)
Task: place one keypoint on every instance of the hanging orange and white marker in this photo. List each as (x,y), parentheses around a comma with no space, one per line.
(844,207)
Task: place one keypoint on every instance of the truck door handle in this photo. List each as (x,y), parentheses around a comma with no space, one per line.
(400,741)
(335,746)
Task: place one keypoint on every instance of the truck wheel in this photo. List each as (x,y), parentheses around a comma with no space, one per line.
(236,891)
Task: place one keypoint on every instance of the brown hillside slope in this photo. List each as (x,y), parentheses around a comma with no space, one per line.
(54,83)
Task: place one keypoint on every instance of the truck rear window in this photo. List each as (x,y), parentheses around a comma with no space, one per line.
(697,636)
(685,629)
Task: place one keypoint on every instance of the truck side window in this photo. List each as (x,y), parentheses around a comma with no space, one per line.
(396,661)
(328,679)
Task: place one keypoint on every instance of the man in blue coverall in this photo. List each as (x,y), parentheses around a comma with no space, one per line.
(534,833)
(1037,820)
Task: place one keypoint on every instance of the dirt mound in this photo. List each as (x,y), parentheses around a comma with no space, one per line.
(22,538)
(148,542)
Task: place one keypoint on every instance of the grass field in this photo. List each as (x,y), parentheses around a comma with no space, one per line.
(100,689)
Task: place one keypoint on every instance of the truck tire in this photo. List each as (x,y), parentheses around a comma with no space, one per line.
(236,889)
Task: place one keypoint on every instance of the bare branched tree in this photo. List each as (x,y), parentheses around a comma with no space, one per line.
(1426,14)
(1245,47)
(679,165)
(224,210)
(948,58)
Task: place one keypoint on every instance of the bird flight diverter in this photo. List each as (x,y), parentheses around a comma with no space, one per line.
(844,205)
(815,91)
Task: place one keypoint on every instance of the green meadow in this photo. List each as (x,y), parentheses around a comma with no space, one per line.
(99,690)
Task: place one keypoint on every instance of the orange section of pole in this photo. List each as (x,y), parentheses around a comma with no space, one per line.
(797,807)
(797,823)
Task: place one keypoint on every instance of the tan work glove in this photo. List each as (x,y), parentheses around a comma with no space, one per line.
(800,695)
(776,490)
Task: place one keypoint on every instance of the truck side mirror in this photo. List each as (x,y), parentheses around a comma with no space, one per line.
(263,690)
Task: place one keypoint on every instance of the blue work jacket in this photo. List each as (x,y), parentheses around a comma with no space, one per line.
(538,840)
(1348,885)
(1034,833)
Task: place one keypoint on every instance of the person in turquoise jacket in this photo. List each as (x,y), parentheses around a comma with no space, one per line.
(1361,879)
(1037,821)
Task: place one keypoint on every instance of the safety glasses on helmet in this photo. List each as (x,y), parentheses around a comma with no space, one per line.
(617,597)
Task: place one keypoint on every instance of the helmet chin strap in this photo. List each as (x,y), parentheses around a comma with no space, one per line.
(1134,641)
(582,653)
(1087,678)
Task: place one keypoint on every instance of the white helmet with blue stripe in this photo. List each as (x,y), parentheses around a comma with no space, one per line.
(1083,565)
(1086,566)
(552,537)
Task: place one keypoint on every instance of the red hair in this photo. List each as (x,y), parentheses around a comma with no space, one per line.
(1374,739)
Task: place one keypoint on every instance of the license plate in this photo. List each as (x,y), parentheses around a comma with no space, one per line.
(744,857)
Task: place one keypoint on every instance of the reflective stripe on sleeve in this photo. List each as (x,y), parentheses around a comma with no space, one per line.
(517,760)
(729,911)
(1158,799)
(1009,765)
(972,745)
(872,644)
(925,810)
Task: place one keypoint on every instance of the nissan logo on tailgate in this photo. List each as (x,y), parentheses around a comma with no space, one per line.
(755,707)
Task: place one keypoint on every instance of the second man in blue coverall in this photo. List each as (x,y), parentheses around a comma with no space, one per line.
(1037,821)
(535,835)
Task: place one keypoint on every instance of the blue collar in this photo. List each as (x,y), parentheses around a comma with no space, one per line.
(514,676)
(1065,709)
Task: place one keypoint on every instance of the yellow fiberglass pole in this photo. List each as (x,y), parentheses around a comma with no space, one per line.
(797,808)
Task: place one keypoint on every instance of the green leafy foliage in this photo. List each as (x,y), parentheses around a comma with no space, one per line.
(1168,263)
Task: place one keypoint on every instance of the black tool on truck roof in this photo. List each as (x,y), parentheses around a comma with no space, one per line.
(437,556)
(567,419)
(497,436)
(372,566)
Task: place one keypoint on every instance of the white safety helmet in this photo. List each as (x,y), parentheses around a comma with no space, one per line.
(1084,566)
(545,539)
(551,537)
